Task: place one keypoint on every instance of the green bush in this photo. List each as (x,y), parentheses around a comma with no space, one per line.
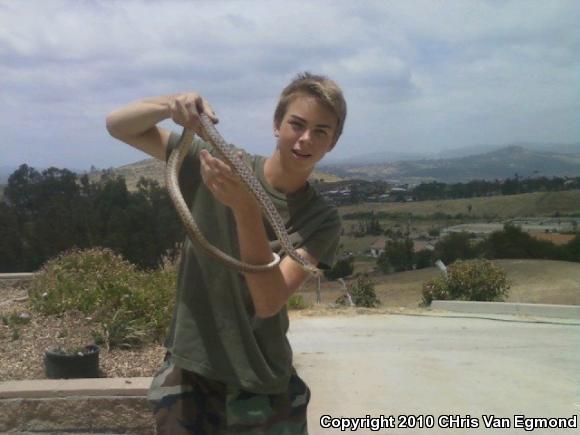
(572,249)
(423,259)
(434,232)
(362,292)
(341,269)
(130,307)
(456,246)
(468,280)
(513,242)
(397,257)
(296,302)
(14,320)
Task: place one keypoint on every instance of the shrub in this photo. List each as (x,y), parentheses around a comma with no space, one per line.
(131,307)
(455,246)
(469,280)
(297,302)
(513,242)
(362,293)
(423,259)
(342,268)
(434,232)
(572,249)
(397,257)
(14,320)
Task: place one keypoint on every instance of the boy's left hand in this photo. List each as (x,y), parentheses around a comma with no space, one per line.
(224,183)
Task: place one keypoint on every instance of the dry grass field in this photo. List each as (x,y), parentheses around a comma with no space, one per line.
(508,206)
(532,281)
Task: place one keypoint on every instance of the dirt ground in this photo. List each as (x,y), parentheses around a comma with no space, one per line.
(23,345)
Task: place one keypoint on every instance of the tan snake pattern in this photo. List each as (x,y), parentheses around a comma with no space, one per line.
(228,154)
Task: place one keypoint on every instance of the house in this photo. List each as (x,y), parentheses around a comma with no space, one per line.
(378,247)
(421,245)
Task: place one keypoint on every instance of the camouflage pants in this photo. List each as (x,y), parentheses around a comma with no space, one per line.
(187,403)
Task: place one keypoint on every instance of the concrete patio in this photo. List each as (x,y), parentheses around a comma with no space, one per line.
(419,367)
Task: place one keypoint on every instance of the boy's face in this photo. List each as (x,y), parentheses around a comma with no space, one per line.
(306,132)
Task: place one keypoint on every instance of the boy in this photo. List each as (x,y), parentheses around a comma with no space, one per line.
(228,367)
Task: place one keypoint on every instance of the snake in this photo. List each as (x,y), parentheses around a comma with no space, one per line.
(228,154)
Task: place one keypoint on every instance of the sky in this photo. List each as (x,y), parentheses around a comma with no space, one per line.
(419,76)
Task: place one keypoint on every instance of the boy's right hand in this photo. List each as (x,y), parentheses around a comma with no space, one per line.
(185,110)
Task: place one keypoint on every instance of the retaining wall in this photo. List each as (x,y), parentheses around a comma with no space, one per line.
(110,405)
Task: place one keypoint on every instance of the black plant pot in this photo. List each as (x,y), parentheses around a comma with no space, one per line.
(82,364)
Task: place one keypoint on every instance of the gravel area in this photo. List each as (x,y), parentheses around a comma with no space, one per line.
(23,343)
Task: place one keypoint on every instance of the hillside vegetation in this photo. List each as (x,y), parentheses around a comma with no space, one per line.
(154,169)
(509,206)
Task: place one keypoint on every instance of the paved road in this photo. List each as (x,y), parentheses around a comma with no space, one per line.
(403,365)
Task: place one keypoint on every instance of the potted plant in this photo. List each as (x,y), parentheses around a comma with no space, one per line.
(75,362)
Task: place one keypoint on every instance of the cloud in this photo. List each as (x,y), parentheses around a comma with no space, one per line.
(418,75)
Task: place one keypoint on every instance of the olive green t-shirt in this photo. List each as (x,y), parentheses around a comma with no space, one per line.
(214,331)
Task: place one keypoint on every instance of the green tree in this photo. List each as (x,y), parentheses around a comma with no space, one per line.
(512,242)
(10,241)
(572,249)
(21,193)
(45,205)
(58,225)
(423,259)
(167,227)
(341,269)
(368,224)
(51,211)
(455,246)
(397,257)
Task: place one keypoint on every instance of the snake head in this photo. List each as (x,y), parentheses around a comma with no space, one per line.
(314,271)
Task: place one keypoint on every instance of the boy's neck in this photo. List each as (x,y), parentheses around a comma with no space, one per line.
(280,179)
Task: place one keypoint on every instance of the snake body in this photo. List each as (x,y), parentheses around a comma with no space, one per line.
(229,156)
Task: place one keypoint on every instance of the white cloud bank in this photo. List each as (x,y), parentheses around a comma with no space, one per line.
(418,75)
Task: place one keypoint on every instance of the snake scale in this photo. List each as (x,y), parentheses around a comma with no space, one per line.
(229,156)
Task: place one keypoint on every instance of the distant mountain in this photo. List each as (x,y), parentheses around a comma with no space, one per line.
(500,163)
(394,156)
(377,157)
(458,165)
(572,148)
(482,149)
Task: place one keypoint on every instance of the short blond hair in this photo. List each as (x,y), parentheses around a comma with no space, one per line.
(320,87)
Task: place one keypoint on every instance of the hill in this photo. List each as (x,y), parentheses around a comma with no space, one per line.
(497,164)
(507,206)
(561,148)
(148,168)
(155,169)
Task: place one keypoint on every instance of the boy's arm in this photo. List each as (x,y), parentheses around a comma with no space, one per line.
(136,123)
(270,290)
